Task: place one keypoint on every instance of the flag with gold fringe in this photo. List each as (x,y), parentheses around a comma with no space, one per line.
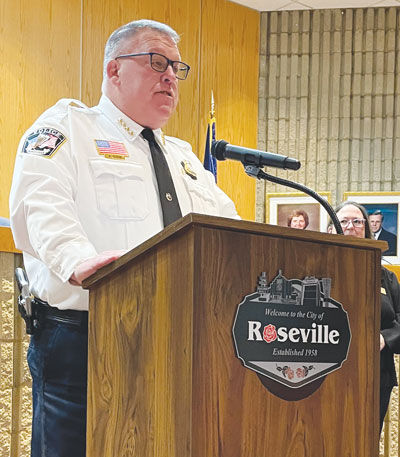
(210,162)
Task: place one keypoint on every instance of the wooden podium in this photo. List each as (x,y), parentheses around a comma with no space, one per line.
(164,379)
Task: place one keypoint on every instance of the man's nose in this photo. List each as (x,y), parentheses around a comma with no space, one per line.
(169,74)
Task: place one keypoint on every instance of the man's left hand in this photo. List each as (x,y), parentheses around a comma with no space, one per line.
(90,266)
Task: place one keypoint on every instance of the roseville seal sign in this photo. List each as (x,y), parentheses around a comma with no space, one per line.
(291,331)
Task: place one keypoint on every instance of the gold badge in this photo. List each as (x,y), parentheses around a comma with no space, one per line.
(187,168)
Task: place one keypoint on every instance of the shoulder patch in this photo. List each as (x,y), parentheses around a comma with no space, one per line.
(43,142)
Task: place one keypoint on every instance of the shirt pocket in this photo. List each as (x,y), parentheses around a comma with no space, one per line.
(202,199)
(120,189)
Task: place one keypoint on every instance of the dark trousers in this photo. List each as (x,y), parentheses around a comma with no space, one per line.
(57,359)
(386,387)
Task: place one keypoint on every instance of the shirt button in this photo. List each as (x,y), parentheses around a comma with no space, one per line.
(168,196)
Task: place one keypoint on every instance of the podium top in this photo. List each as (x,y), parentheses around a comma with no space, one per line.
(222,223)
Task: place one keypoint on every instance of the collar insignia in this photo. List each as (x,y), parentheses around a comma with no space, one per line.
(111,149)
(187,168)
(125,126)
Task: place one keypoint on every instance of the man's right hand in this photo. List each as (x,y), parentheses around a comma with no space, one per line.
(90,266)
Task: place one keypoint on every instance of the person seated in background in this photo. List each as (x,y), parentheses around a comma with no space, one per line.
(298,219)
(379,233)
(354,221)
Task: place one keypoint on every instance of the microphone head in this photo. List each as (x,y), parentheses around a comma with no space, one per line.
(218,149)
(292,164)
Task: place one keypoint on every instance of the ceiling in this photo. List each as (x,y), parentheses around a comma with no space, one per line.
(281,5)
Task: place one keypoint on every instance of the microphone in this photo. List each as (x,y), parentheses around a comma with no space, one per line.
(221,150)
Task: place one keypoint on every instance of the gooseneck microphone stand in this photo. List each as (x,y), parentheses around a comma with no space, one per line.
(253,160)
(256,172)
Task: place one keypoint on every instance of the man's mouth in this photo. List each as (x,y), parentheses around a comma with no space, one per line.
(166,92)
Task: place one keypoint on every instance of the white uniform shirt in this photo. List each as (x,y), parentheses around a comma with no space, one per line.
(94,190)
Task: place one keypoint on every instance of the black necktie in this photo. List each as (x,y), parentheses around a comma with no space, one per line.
(169,201)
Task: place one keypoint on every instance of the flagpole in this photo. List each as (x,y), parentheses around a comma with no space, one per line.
(210,162)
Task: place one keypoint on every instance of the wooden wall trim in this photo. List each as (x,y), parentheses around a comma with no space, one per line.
(6,241)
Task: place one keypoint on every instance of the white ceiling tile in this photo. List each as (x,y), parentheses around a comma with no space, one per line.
(262,5)
(383,3)
(328,4)
(295,6)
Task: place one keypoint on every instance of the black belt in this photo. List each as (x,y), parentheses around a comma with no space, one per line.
(67,316)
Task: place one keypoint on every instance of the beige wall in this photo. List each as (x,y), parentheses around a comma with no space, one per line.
(329,96)
(52,49)
(15,382)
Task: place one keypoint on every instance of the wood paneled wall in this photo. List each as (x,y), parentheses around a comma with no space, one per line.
(39,49)
(52,49)
(229,65)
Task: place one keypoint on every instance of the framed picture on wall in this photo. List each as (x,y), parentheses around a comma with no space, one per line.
(383,209)
(296,210)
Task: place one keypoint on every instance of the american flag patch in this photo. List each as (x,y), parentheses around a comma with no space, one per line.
(111,149)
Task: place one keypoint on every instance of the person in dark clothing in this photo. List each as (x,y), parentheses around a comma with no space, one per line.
(354,221)
(390,331)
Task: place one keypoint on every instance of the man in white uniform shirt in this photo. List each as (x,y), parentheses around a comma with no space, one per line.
(86,190)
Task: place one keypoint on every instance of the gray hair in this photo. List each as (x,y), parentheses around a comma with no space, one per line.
(368,231)
(120,35)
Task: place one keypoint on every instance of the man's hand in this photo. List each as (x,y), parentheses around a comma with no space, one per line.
(382,342)
(90,266)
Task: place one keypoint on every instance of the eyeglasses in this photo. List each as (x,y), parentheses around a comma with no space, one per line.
(358,223)
(160,63)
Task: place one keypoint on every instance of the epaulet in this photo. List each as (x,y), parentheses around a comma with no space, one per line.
(76,104)
(60,109)
(67,102)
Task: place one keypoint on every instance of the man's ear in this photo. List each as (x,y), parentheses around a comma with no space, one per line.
(113,71)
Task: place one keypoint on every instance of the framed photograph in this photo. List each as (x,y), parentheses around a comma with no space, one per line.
(384,212)
(296,210)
